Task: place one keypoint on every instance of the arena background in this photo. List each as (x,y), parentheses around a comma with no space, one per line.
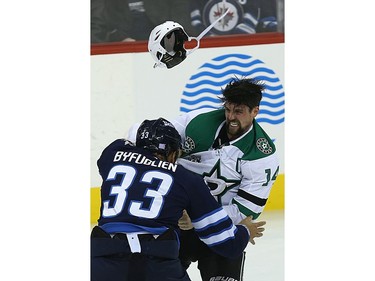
(125,88)
(46,110)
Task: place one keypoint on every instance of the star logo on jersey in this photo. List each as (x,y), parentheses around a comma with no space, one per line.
(263,145)
(216,173)
(189,145)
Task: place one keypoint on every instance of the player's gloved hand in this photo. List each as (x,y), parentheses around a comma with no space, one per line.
(184,222)
(255,228)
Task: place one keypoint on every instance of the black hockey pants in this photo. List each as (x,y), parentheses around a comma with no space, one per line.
(113,260)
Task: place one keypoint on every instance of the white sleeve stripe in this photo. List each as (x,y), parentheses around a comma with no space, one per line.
(221,237)
(214,218)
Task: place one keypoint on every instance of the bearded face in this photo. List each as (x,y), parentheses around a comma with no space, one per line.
(239,119)
(234,129)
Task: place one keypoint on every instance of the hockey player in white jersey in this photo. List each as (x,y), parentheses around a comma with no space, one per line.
(237,159)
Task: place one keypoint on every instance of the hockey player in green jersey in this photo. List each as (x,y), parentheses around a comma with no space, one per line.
(239,163)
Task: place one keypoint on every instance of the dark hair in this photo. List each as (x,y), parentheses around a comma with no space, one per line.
(247,91)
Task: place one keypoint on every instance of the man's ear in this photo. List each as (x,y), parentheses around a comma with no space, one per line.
(255,111)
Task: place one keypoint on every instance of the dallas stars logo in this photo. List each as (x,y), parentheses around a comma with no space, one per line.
(189,145)
(263,145)
(216,173)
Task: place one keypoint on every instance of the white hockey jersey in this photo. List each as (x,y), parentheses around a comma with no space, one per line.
(240,173)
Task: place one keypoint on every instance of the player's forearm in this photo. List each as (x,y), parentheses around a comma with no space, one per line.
(230,248)
(234,214)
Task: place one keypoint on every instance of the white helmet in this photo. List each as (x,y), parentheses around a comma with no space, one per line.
(166,44)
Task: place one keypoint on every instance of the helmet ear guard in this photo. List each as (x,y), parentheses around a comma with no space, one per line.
(166,43)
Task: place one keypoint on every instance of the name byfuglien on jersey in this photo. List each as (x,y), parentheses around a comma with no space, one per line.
(141,159)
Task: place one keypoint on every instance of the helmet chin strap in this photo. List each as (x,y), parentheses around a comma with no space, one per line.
(204,32)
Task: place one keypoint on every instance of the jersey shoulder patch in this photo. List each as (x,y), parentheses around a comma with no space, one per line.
(257,144)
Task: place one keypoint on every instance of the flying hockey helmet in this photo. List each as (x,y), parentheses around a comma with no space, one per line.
(166,44)
(158,135)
